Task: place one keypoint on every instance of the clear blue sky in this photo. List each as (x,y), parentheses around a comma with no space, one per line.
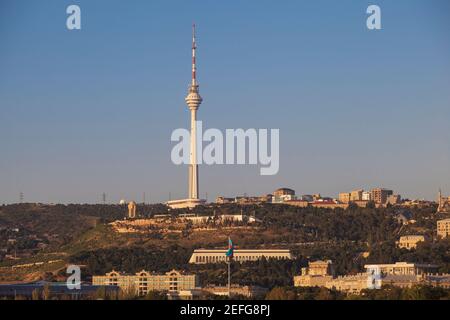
(91,111)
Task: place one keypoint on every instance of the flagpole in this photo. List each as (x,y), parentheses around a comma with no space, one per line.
(229,277)
(229,256)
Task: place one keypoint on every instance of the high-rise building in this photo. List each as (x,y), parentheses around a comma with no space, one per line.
(443,228)
(380,195)
(344,197)
(356,195)
(366,196)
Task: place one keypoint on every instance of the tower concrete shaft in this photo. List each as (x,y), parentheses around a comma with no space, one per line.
(193,167)
(193,100)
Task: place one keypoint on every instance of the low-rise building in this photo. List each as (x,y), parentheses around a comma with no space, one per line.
(317,274)
(223,200)
(253,292)
(400,274)
(203,256)
(410,242)
(143,282)
(329,204)
(351,284)
(282,195)
(401,268)
(297,203)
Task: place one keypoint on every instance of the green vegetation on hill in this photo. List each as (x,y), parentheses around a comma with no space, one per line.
(351,238)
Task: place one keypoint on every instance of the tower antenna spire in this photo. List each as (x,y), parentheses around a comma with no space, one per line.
(194,48)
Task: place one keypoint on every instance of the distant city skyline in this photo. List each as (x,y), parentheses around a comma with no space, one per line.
(90,111)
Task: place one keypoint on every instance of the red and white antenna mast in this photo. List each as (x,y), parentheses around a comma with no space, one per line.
(194,48)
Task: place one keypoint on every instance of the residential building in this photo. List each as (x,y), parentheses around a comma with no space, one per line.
(380,195)
(366,196)
(282,195)
(344,197)
(306,197)
(394,199)
(356,195)
(410,242)
(223,200)
(297,203)
(443,228)
(284,192)
(143,282)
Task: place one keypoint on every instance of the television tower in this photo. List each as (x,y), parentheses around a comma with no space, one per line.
(193,100)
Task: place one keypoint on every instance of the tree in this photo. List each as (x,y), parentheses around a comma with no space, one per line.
(156,295)
(46,294)
(281,293)
(36,294)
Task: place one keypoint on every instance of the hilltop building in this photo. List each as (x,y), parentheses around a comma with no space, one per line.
(410,242)
(132,210)
(203,256)
(443,228)
(380,195)
(443,203)
(282,195)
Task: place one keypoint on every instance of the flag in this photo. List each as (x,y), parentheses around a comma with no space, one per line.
(230,251)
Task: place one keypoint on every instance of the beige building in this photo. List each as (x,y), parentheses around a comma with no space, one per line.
(143,282)
(329,205)
(366,196)
(356,195)
(284,192)
(351,284)
(202,256)
(353,196)
(394,199)
(236,290)
(297,203)
(132,210)
(344,197)
(401,268)
(282,195)
(409,242)
(443,203)
(443,228)
(317,274)
(185,203)
(401,274)
(380,195)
